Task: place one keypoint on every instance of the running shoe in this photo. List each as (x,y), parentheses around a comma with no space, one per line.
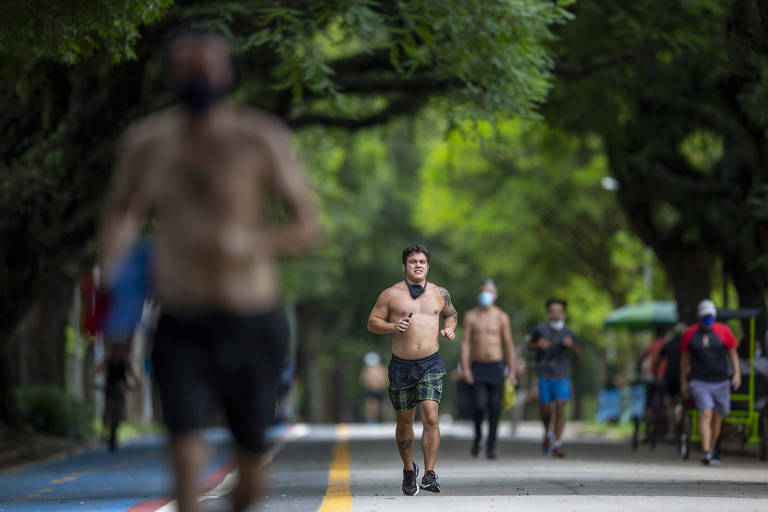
(708,459)
(491,453)
(410,488)
(558,452)
(429,482)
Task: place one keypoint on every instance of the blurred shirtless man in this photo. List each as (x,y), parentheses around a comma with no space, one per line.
(487,339)
(205,173)
(410,310)
(374,380)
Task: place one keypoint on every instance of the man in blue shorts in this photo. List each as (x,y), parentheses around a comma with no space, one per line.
(553,343)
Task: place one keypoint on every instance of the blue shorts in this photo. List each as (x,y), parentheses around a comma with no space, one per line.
(554,389)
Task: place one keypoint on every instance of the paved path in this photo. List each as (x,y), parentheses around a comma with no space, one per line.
(356,468)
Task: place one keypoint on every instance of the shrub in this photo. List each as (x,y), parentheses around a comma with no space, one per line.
(53,411)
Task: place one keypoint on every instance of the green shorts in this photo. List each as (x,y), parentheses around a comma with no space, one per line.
(412,381)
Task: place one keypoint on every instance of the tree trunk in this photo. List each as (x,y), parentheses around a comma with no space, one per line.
(41,339)
(688,270)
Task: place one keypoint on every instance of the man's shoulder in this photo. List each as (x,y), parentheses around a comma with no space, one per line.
(500,311)
(441,290)
(152,127)
(393,290)
(690,331)
(471,313)
(259,123)
(722,330)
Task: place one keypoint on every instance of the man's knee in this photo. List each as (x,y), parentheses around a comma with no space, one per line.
(429,417)
(405,421)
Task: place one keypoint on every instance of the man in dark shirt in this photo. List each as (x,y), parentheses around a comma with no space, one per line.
(554,343)
(705,347)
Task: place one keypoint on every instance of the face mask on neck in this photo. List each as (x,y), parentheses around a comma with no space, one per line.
(415,289)
(485,298)
(557,325)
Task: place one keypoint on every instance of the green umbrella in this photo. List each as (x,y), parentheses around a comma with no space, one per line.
(643,315)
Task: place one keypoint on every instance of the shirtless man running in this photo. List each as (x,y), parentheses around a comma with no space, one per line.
(410,310)
(205,173)
(487,339)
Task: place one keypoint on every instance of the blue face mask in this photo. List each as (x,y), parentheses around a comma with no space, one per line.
(708,321)
(485,298)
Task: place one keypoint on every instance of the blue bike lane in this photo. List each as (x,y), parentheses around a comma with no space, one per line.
(136,476)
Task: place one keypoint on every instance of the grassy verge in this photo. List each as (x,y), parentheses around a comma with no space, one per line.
(130,430)
(615,431)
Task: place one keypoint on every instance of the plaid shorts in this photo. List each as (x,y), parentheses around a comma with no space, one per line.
(412,381)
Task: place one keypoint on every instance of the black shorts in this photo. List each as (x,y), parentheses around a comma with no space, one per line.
(376,395)
(202,361)
(488,389)
(412,381)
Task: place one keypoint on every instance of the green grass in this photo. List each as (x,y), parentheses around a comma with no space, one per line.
(610,430)
(129,429)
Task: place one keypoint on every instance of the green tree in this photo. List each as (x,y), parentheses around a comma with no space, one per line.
(677,91)
(76,73)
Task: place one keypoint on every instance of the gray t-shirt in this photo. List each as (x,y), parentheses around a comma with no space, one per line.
(555,362)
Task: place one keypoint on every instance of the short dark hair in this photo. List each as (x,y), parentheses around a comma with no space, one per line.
(557,301)
(413,249)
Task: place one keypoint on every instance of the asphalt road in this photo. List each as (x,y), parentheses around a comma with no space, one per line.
(357,468)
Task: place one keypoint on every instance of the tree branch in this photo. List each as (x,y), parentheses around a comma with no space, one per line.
(421,83)
(402,105)
(567,70)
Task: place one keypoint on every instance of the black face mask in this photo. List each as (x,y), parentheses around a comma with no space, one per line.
(197,96)
(415,289)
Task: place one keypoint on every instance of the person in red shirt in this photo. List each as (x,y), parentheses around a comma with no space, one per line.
(704,348)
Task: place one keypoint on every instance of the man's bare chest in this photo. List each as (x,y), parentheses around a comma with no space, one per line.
(427,304)
(486,324)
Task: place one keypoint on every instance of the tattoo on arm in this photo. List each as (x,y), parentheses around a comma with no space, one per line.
(448,309)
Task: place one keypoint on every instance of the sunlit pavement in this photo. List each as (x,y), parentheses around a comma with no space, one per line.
(596,475)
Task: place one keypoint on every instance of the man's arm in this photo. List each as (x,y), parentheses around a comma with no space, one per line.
(301,229)
(736,379)
(509,345)
(378,320)
(570,343)
(450,316)
(125,206)
(466,345)
(537,341)
(685,367)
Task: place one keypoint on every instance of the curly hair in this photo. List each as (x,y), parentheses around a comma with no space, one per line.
(415,248)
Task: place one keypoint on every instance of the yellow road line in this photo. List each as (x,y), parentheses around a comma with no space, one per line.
(64,479)
(338,496)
